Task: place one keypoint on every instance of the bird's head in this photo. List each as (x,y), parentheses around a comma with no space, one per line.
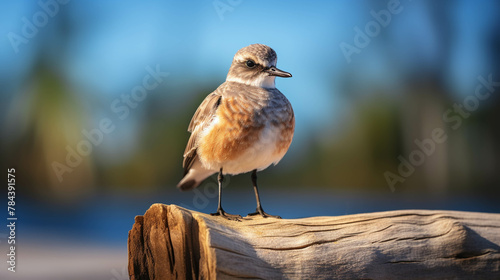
(255,65)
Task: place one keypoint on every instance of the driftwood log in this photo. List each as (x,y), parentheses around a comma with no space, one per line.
(170,242)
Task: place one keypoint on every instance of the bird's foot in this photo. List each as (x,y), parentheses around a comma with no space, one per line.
(260,211)
(222,213)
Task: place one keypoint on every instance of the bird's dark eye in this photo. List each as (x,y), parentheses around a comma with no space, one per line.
(250,63)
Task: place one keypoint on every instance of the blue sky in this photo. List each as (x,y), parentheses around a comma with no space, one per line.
(111,43)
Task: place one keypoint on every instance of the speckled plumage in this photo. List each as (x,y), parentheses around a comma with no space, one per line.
(246,124)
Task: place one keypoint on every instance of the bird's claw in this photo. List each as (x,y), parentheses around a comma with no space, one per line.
(260,211)
(222,213)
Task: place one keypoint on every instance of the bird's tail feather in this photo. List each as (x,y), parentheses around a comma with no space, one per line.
(193,178)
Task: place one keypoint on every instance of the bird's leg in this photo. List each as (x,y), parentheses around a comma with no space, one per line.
(220,211)
(259,210)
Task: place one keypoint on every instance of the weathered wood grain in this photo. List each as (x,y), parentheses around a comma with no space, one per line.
(170,242)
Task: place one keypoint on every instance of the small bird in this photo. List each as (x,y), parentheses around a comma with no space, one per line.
(245,125)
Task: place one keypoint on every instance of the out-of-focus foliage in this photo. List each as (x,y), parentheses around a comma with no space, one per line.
(354,120)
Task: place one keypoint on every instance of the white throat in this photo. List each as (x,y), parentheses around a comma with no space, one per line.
(262,81)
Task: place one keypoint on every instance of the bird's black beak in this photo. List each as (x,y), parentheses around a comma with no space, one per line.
(273,71)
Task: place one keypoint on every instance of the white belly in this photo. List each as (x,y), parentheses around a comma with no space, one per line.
(258,156)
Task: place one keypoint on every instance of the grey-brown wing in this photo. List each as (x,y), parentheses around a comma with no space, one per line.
(202,118)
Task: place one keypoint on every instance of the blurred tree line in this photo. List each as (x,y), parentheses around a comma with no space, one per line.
(48,114)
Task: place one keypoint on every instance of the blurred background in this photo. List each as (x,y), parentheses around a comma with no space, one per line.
(96,97)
